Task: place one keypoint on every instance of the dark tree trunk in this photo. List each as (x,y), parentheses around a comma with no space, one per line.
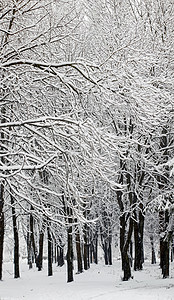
(86,254)
(107,248)
(125,241)
(138,260)
(138,237)
(141,231)
(153,259)
(91,252)
(126,266)
(40,255)
(164,255)
(110,253)
(2,225)
(50,259)
(164,214)
(131,252)
(32,239)
(172,250)
(164,243)
(122,235)
(16,240)
(95,248)
(60,256)
(70,253)
(55,253)
(79,253)
(125,234)
(106,253)
(29,250)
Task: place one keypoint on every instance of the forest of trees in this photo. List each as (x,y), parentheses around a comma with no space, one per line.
(87,130)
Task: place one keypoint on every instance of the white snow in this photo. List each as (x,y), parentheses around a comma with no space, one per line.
(99,282)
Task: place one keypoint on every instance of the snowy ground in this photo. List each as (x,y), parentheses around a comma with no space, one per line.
(100,283)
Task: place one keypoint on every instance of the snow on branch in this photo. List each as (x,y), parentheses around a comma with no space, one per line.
(46,66)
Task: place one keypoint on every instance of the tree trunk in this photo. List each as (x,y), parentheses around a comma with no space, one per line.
(164,214)
(16,240)
(138,260)
(172,250)
(40,255)
(32,239)
(138,237)
(70,253)
(79,253)
(55,252)
(126,266)
(60,256)
(164,255)
(110,253)
(95,248)
(164,243)
(131,252)
(29,250)
(50,269)
(153,260)
(86,254)
(106,253)
(125,247)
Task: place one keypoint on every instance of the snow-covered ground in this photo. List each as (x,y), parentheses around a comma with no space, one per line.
(99,282)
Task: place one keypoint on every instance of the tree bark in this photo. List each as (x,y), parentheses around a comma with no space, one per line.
(164,243)
(94,249)
(79,253)
(126,258)
(50,259)
(32,239)
(110,253)
(40,255)
(86,254)
(164,214)
(16,240)
(70,253)
(60,256)
(29,250)
(153,259)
